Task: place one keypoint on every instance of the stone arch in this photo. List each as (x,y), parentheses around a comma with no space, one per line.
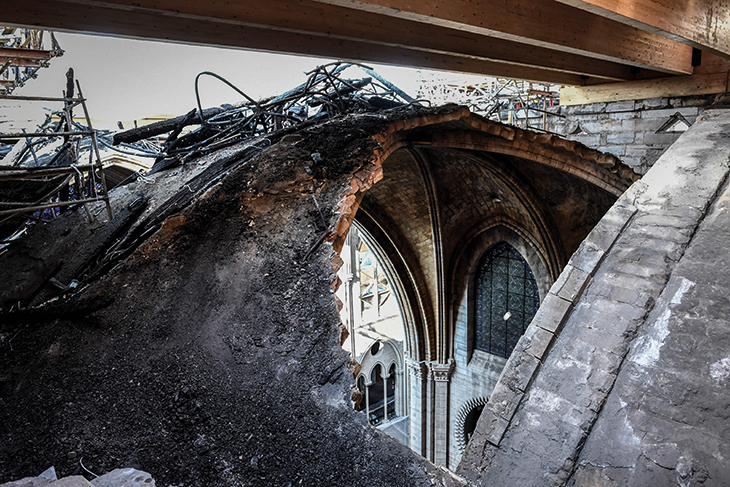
(401,278)
(485,236)
(456,128)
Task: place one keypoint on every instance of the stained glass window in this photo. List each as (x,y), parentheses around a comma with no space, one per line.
(506,300)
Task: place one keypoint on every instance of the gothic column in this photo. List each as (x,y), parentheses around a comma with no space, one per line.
(441,377)
(367,400)
(400,394)
(417,414)
(429,400)
(385,397)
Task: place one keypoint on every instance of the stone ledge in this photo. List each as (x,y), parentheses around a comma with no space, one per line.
(538,341)
(504,401)
(552,313)
(571,283)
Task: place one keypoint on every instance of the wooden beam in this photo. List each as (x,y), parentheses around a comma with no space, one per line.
(704,24)
(700,84)
(542,23)
(8,52)
(141,24)
(315,18)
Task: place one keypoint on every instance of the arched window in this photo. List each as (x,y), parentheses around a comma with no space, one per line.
(506,300)
(390,393)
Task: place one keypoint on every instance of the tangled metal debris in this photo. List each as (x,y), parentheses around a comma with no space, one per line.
(325,94)
(52,154)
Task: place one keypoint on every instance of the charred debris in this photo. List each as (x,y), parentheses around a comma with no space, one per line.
(48,175)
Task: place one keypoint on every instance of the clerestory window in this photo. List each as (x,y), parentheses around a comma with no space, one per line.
(506,300)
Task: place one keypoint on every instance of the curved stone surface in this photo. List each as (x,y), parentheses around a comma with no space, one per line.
(621,378)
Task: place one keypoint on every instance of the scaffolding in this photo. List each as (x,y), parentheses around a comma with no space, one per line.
(22,54)
(520,103)
(56,184)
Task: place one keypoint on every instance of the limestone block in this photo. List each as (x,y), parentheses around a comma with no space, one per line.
(620,138)
(587,257)
(664,220)
(654,103)
(124,477)
(495,429)
(605,233)
(504,401)
(539,341)
(571,283)
(620,106)
(590,108)
(520,368)
(552,313)
(688,112)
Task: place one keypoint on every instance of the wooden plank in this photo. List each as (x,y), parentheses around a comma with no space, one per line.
(310,17)
(90,18)
(705,84)
(542,23)
(9,52)
(704,24)
(712,64)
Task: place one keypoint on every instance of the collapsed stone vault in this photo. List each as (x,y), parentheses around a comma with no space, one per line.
(207,349)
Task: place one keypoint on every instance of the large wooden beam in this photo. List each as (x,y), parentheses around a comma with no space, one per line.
(542,23)
(699,84)
(25,53)
(310,17)
(704,24)
(142,24)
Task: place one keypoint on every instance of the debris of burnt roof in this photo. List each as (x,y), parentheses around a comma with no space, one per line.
(325,94)
(31,195)
(217,140)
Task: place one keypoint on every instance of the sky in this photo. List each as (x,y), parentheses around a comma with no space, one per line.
(125,79)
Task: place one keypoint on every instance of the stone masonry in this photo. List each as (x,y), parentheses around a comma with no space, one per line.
(569,396)
(627,128)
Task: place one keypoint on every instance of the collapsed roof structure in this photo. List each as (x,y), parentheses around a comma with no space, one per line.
(197,331)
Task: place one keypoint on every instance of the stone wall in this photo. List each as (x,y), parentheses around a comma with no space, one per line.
(621,378)
(627,129)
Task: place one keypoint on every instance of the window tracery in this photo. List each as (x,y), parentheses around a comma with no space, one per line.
(507,298)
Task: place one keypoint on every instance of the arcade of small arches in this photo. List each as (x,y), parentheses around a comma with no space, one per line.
(445,265)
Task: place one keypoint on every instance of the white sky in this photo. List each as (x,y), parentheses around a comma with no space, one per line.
(125,79)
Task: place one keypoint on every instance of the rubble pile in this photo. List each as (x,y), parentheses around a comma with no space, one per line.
(121,477)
